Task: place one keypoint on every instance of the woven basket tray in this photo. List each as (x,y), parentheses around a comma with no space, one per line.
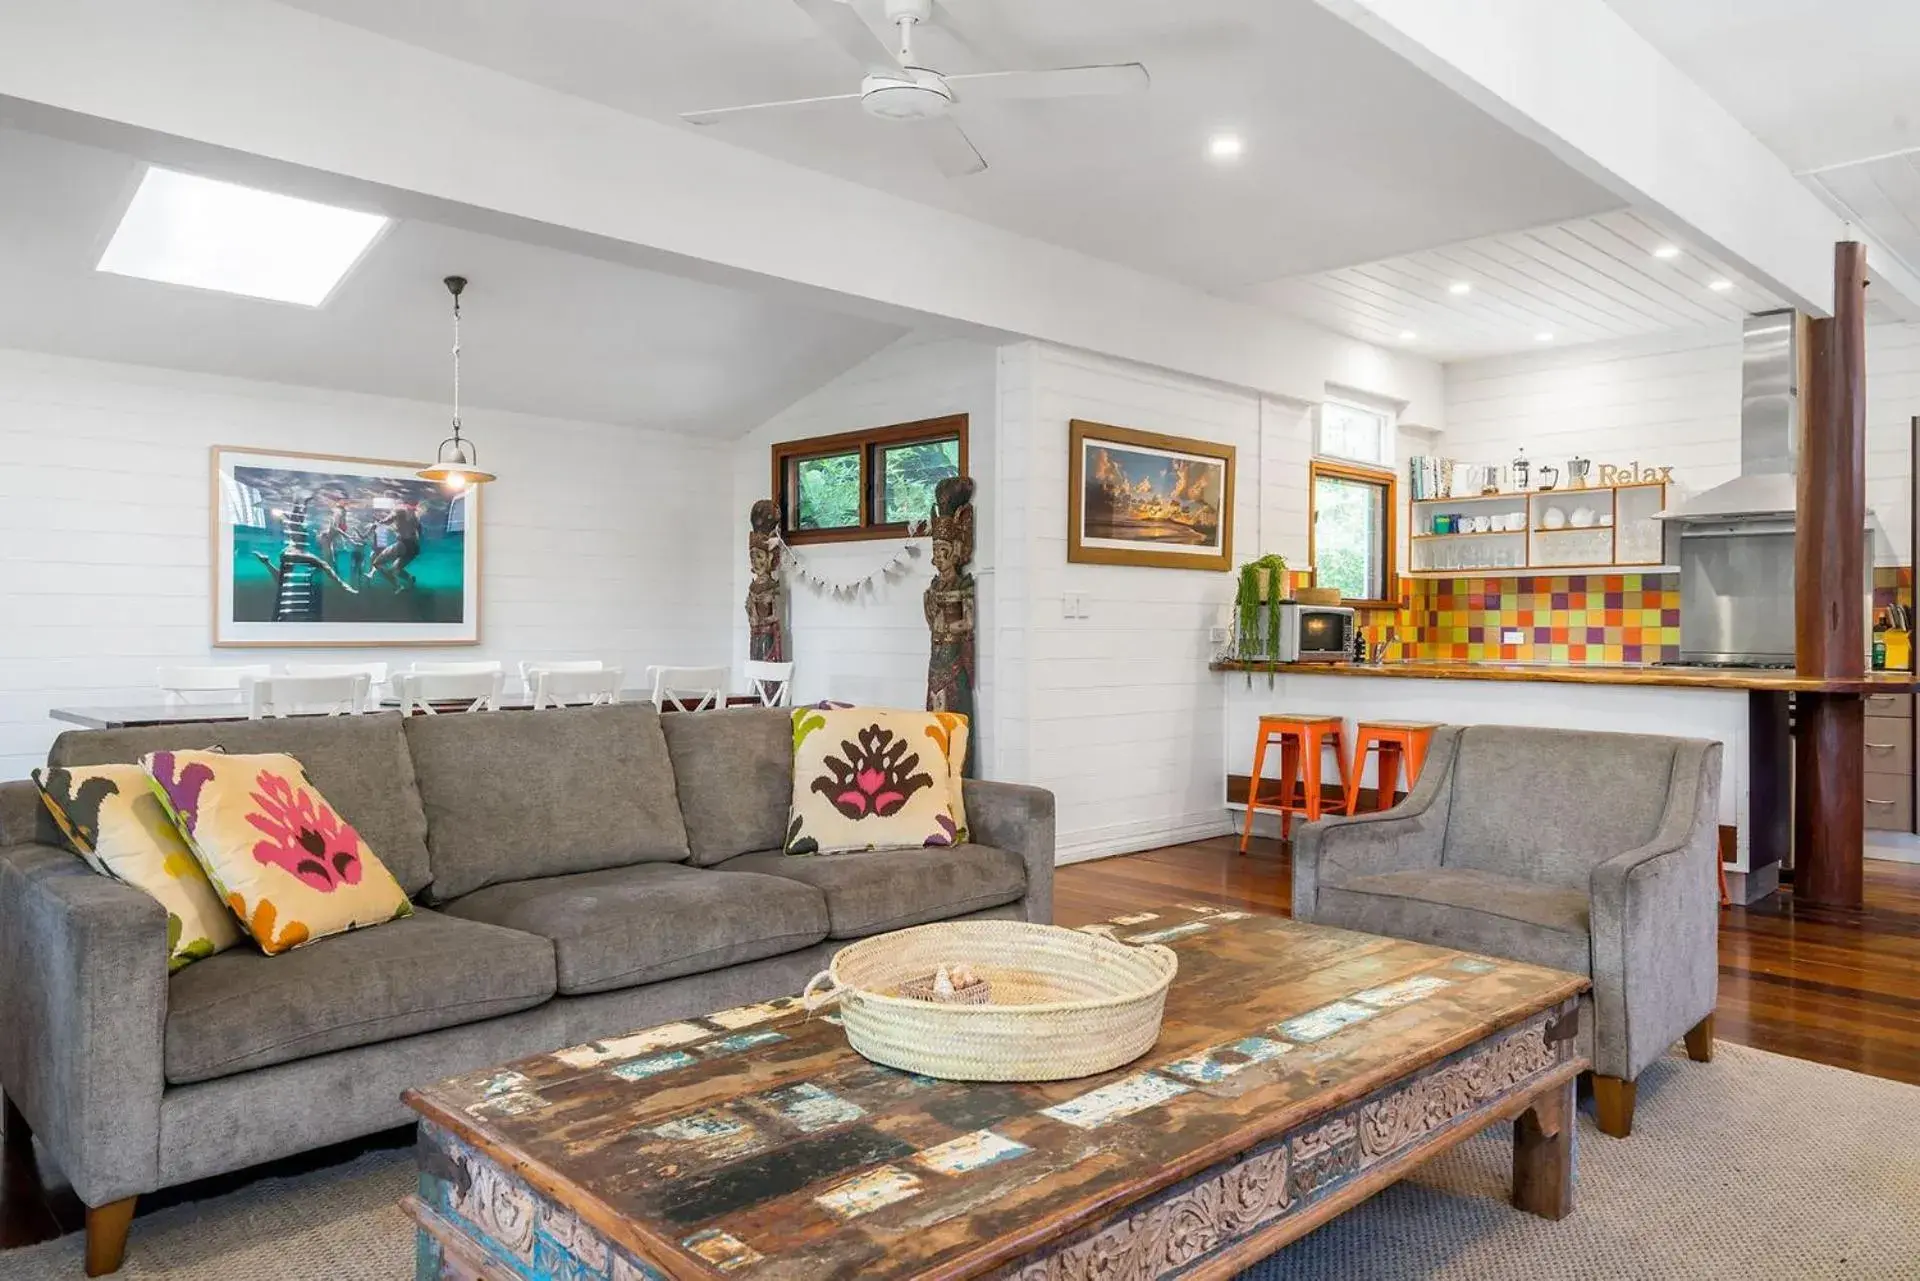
(1064,1004)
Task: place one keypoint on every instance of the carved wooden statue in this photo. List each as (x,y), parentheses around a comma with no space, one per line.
(949,607)
(764,593)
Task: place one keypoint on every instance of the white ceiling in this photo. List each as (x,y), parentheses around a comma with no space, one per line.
(1831,86)
(544,331)
(1351,153)
(1583,281)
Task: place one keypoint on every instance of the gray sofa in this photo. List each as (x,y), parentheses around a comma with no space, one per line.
(1589,852)
(576,873)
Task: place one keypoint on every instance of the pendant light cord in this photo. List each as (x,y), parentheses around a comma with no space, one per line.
(456,368)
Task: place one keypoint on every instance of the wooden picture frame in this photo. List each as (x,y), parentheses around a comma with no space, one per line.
(1166,528)
(384,558)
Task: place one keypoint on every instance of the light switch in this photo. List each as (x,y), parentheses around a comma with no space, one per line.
(1073,605)
(1513,636)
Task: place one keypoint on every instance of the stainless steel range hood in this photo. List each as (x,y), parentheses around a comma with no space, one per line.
(1769,436)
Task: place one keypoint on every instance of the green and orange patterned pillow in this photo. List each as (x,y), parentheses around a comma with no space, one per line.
(109,815)
(291,869)
(870,778)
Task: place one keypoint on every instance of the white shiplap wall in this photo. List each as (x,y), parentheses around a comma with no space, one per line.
(873,649)
(1671,400)
(600,541)
(1117,713)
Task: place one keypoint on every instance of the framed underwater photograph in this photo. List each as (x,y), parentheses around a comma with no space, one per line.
(317,549)
(1143,498)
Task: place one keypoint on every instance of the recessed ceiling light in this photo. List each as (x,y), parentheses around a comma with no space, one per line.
(1720,286)
(1459,288)
(1407,335)
(1667,251)
(1225,146)
(185,230)
(1545,335)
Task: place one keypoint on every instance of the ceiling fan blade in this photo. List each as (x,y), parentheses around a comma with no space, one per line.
(1063,82)
(719,114)
(952,152)
(846,28)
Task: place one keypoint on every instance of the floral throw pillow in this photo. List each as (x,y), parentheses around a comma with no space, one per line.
(109,816)
(291,868)
(870,779)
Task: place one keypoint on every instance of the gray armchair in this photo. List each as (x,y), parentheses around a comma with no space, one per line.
(1588,852)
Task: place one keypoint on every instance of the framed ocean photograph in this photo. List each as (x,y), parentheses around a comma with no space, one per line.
(315,549)
(1142,498)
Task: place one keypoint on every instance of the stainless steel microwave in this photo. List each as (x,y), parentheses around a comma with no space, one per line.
(1315,633)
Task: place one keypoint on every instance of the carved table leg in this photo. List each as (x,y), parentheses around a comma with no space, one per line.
(1543,1154)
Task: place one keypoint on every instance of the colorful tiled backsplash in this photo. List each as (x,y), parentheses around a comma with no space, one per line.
(1590,618)
(1581,618)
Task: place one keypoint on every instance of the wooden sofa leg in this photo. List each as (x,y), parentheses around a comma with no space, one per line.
(1613,1105)
(1700,1041)
(107,1235)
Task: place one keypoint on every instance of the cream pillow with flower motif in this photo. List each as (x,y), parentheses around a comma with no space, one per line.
(108,815)
(291,868)
(870,778)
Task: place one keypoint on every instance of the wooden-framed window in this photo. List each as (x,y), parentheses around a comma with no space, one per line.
(1350,535)
(865,484)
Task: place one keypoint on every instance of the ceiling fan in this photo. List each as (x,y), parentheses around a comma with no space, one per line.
(898,87)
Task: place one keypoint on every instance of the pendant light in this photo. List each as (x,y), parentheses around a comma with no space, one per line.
(458,463)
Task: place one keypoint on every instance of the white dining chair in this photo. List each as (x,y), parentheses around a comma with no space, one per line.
(773,682)
(557,687)
(376,674)
(689,689)
(467,667)
(419,691)
(529,666)
(182,686)
(274,696)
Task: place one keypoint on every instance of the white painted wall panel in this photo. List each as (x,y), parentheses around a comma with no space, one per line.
(598,541)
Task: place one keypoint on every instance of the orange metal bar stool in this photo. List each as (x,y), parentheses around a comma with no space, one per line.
(1302,740)
(1395,741)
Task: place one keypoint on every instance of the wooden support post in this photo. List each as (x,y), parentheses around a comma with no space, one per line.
(1830,583)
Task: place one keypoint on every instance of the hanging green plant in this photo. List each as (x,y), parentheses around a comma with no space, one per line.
(1263,580)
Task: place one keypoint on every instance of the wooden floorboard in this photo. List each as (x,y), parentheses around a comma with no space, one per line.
(1838,987)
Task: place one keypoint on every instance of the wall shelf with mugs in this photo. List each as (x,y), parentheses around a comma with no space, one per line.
(1589,529)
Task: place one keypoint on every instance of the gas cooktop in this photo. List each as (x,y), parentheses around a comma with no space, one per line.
(1742,664)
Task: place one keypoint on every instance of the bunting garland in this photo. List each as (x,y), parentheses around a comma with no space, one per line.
(795,566)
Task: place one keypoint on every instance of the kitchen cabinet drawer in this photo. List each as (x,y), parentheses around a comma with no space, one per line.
(1889,745)
(1889,799)
(1890,705)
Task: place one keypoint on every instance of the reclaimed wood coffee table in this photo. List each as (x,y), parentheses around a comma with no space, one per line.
(1300,1070)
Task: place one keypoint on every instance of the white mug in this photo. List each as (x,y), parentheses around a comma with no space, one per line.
(1481,524)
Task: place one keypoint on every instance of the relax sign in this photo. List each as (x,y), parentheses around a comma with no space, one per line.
(1634,474)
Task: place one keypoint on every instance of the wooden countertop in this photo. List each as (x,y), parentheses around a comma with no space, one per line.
(1747,678)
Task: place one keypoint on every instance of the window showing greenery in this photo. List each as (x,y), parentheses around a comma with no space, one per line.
(826,491)
(866,484)
(1352,524)
(908,474)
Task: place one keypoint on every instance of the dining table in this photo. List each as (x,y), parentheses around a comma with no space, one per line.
(135,715)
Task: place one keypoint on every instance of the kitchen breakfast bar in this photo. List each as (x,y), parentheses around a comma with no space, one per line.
(1746,709)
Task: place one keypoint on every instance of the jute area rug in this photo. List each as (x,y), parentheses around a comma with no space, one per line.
(1754,1166)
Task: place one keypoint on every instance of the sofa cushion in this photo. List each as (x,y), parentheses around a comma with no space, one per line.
(879,890)
(240,1010)
(734,772)
(359,762)
(515,795)
(625,926)
(869,778)
(1473,911)
(1598,794)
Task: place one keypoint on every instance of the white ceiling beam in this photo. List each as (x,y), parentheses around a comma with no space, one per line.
(264,79)
(1576,78)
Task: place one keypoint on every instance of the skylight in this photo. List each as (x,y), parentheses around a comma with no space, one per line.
(186,230)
